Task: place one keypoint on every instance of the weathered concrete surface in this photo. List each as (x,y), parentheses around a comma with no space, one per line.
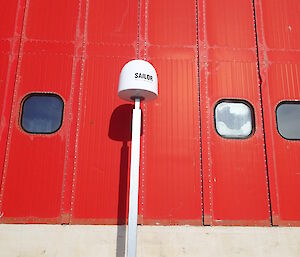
(177,241)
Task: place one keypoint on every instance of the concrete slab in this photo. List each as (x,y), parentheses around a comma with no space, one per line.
(153,241)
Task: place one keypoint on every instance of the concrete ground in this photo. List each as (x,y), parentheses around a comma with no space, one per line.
(157,241)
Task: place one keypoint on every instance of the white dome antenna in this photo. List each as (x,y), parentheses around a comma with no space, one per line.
(138,82)
(138,79)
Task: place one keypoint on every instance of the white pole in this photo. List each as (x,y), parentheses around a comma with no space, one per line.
(134,180)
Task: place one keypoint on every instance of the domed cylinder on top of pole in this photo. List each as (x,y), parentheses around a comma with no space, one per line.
(138,82)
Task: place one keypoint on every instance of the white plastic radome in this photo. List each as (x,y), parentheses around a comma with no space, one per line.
(138,79)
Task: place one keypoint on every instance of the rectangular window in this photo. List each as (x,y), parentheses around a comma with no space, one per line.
(233,119)
(288,120)
(42,113)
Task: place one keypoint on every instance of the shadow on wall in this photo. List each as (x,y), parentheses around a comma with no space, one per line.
(120,130)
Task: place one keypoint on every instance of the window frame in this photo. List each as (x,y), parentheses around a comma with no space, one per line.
(23,101)
(243,101)
(297,102)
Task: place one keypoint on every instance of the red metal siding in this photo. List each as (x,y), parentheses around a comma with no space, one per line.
(12,13)
(204,51)
(171,181)
(34,165)
(234,170)
(279,44)
(102,149)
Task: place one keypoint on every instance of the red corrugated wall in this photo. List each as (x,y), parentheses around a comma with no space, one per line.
(12,13)
(234,171)
(278,25)
(99,191)
(35,168)
(204,51)
(170,170)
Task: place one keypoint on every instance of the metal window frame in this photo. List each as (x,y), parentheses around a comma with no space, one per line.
(234,100)
(51,94)
(297,102)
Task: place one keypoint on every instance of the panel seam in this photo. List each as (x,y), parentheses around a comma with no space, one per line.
(78,43)
(11,54)
(138,31)
(262,109)
(199,106)
(83,59)
(144,115)
(16,85)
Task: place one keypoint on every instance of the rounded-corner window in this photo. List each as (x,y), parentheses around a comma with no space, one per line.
(42,113)
(234,119)
(288,119)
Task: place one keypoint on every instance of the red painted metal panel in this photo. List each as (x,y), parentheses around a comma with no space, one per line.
(234,171)
(103,132)
(8,14)
(114,23)
(169,23)
(279,44)
(4,79)
(77,49)
(11,17)
(33,180)
(52,20)
(170,170)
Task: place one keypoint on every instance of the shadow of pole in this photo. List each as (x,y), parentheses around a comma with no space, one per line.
(120,130)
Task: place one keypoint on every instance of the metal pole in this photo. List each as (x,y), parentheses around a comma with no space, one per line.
(134,180)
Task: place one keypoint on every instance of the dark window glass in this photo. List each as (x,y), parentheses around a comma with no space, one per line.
(42,113)
(288,120)
(233,119)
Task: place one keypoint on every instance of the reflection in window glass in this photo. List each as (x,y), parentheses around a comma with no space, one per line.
(42,113)
(288,120)
(233,119)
